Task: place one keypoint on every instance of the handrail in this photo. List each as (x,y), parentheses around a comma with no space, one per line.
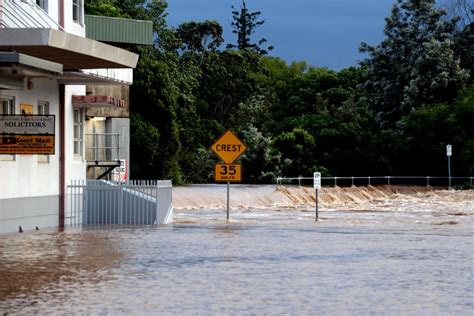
(102,146)
(370,178)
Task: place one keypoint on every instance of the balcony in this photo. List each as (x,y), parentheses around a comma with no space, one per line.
(102,152)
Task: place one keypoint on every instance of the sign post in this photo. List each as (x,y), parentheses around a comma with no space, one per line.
(228,147)
(449,153)
(317,186)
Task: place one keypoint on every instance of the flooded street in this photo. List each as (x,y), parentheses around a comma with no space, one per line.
(406,254)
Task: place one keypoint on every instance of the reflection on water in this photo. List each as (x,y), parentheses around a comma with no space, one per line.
(366,259)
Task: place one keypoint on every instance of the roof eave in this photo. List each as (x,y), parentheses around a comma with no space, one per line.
(72,51)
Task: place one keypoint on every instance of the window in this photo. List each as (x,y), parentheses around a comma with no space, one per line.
(8,105)
(43,109)
(43,4)
(7,108)
(77,11)
(78,132)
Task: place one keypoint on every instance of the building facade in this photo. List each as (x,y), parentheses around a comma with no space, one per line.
(49,67)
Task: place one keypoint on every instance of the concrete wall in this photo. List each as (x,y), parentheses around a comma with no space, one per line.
(116,91)
(117,121)
(122,127)
(29,213)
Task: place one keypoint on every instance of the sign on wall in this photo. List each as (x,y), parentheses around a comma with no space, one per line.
(27,124)
(27,145)
(27,134)
(120,173)
(26,109)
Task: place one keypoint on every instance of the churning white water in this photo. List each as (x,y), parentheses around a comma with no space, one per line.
(382,205)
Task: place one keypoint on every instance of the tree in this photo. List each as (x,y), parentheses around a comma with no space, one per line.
(464,48)
(431,127)
(144,140)
(414,64)
(297,152)
(244,25)
(103,8)
(199,37)
(259,161)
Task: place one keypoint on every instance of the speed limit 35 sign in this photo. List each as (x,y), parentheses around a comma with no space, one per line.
(227,172)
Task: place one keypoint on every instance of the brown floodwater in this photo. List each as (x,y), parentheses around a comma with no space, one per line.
(404,255)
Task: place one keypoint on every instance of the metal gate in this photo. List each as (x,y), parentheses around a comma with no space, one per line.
(101,202)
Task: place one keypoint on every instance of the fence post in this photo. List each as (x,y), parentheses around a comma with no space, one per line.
(369,180)
(428,181)
(471,181)
(352,181)
(388,180)
(299,181)
(120,204)
(335,181)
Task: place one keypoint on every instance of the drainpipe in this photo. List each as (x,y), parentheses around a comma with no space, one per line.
(62,154)
(61,13)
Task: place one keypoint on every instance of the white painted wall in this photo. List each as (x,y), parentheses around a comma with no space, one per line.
(75,166)
(25,176)
(71,26)
(53,10)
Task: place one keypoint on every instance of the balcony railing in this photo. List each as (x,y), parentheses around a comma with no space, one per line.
(102,149)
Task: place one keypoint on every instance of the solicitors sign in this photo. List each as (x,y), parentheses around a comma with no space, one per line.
(27,134)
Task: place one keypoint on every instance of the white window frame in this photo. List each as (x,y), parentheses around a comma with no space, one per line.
(78,133)
(7,107)
(77,11)
(43,109)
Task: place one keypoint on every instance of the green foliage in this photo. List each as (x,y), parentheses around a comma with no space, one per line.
(104,8)
(464,48)
(430,128)
(260,162)
(297,152)
(156,91)
(415,64)
(227,80)
(199,37)
(144,147)
(296,119)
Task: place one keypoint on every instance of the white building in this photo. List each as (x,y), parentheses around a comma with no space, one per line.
(45,60)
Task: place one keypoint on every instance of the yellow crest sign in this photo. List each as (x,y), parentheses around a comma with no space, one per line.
(228,147)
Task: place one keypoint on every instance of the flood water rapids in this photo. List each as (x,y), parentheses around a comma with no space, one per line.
(374,250)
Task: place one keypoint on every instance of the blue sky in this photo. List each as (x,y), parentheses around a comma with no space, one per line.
(325,33)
